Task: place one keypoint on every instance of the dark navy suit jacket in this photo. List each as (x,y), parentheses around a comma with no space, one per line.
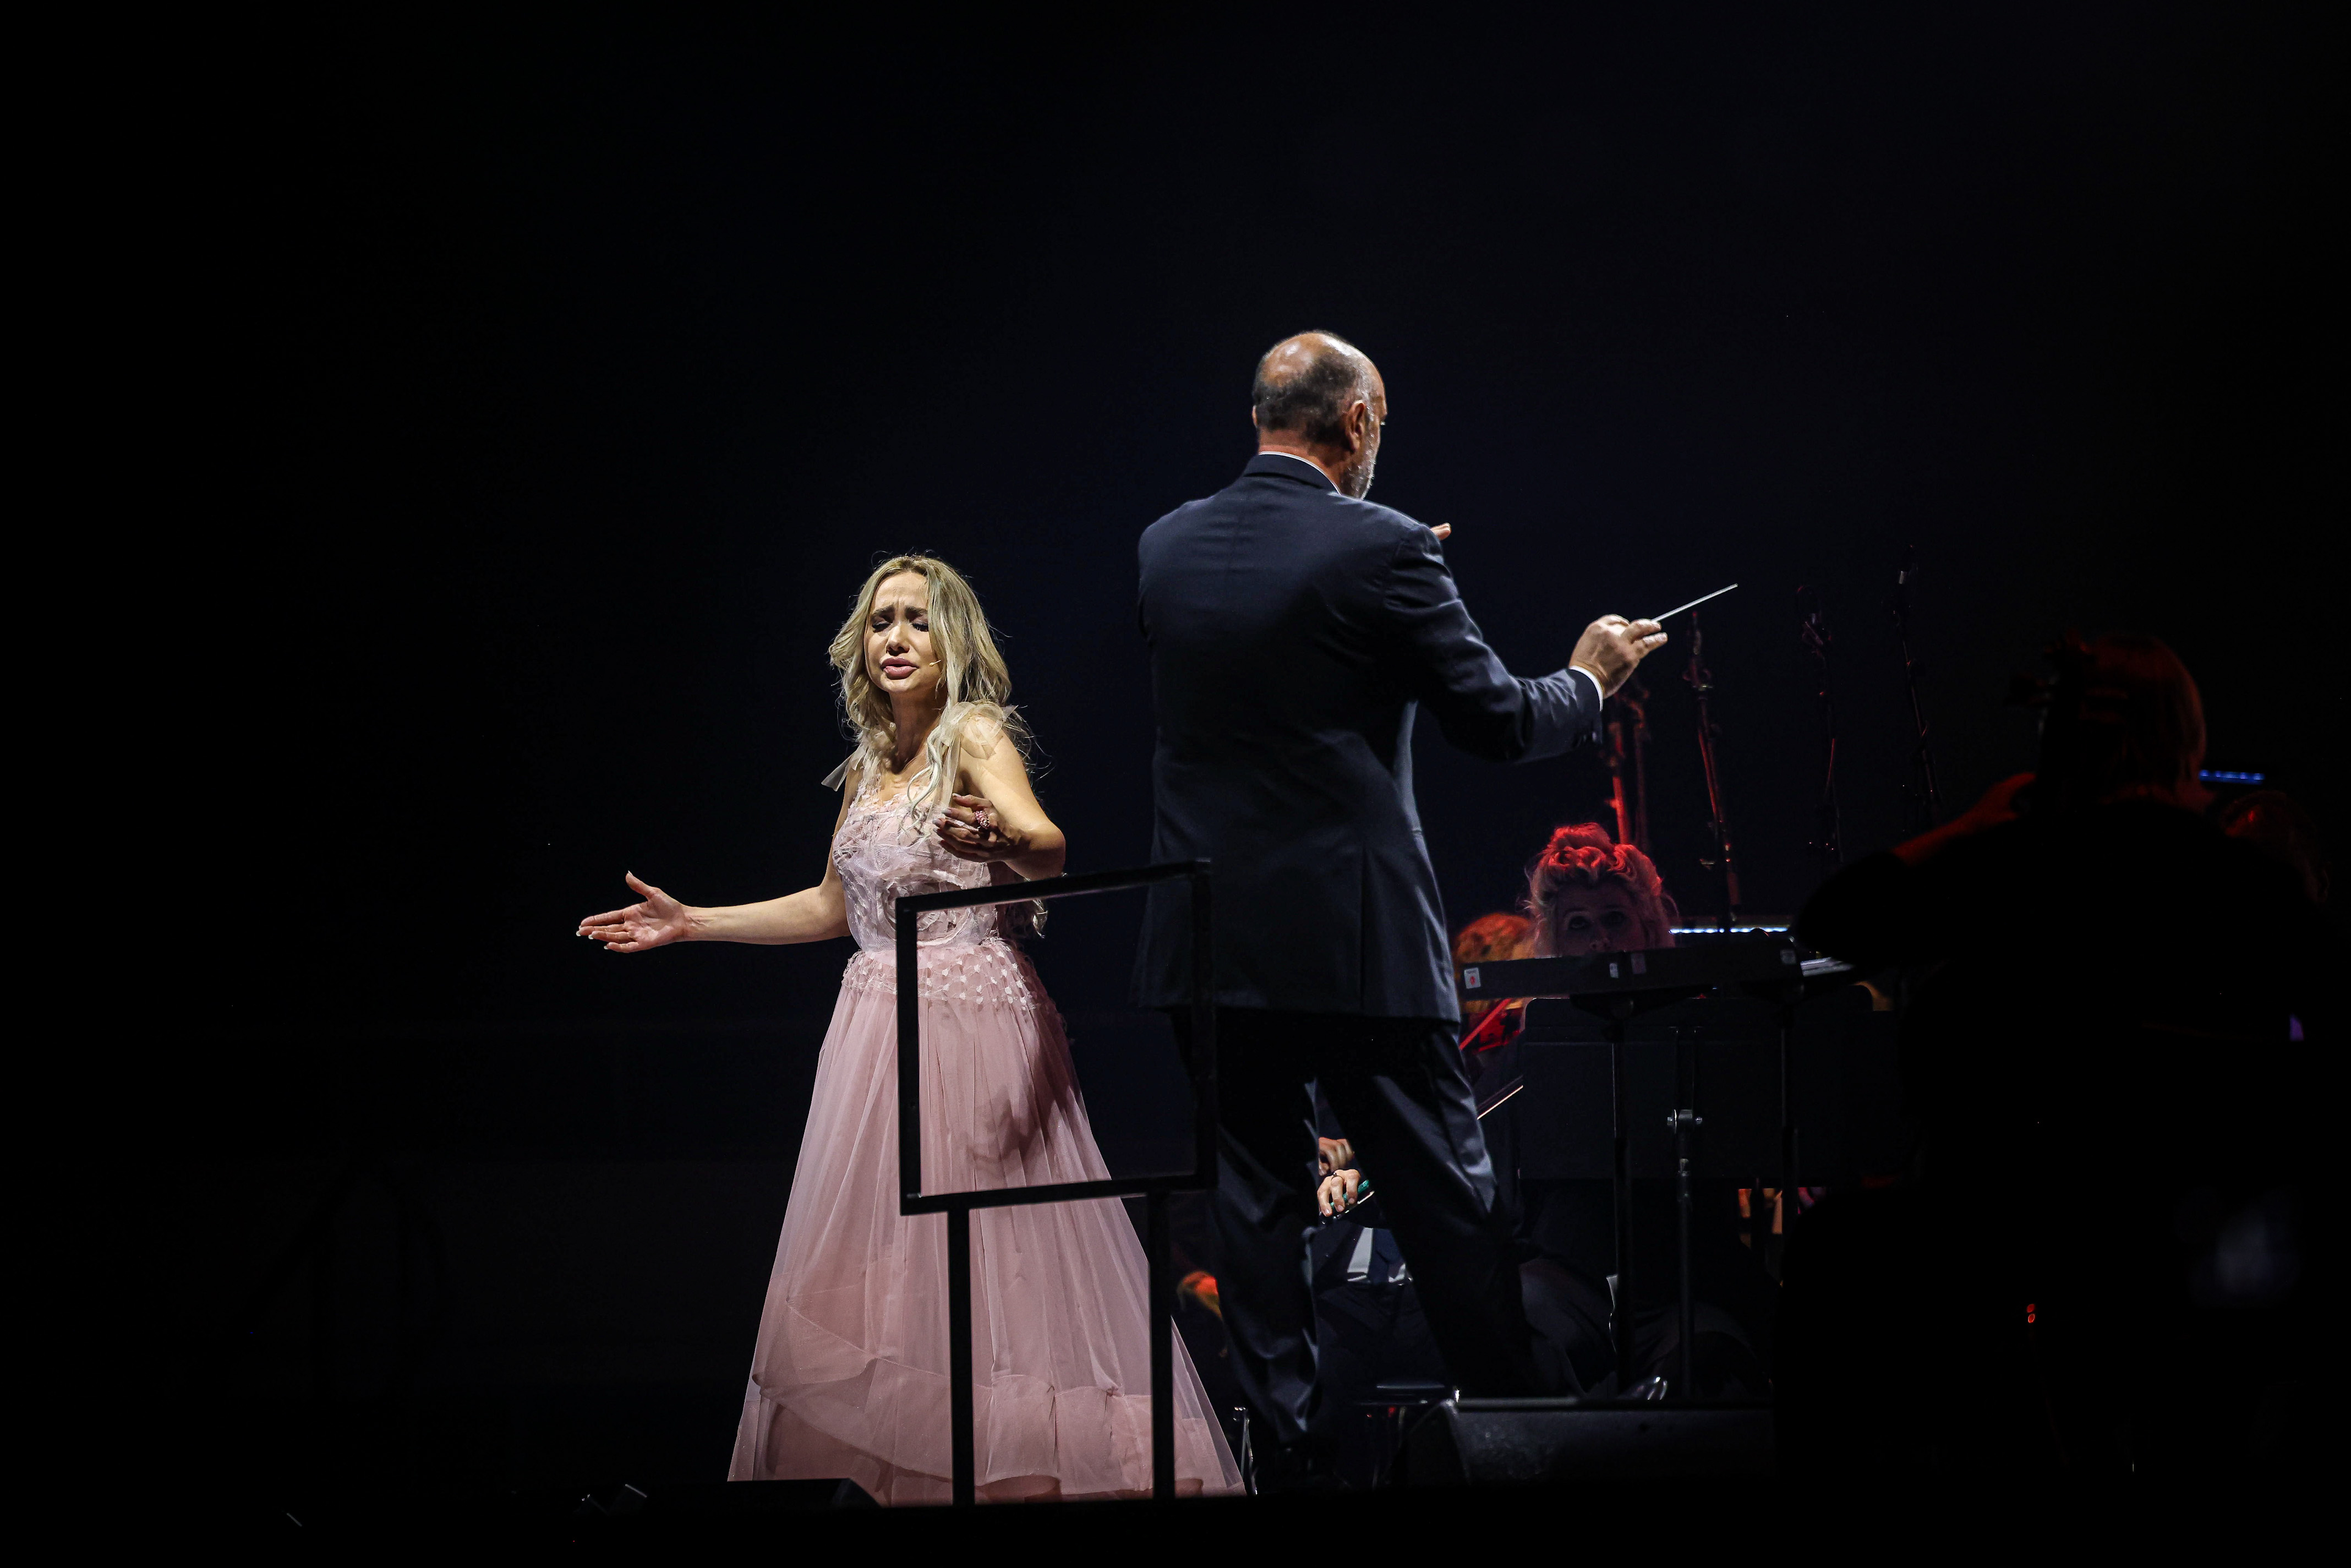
(1294,633)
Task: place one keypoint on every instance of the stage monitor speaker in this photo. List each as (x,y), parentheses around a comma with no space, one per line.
(1539,1442)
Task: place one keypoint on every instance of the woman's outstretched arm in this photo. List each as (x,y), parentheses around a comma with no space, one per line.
(812,914)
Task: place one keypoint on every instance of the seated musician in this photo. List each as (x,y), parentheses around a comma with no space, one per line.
(1488,939)
(2111,1024)
(1586,893)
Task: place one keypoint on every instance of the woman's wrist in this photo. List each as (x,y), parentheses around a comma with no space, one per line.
(1035,863)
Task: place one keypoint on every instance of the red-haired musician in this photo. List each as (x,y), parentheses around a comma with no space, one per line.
(1586,893)
(1590,894)
(1485,940)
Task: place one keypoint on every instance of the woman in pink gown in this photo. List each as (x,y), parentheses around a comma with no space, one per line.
(848,1377)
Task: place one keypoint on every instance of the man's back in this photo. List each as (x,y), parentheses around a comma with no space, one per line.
(1293,632)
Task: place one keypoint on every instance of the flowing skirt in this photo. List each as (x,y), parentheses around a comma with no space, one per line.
(849,1378)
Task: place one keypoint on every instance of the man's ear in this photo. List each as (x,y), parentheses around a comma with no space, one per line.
(1253,417)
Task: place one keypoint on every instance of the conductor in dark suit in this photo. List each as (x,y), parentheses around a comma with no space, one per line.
(1296,631)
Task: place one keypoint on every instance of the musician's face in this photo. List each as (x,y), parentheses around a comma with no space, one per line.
(898,656)
(1601,919)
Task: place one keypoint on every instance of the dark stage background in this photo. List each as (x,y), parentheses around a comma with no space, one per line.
(553,385)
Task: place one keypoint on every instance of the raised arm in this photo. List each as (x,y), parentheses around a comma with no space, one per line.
(812,914)
(1482,708)
(1909,904)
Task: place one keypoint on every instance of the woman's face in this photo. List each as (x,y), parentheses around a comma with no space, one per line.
(898,656)
(1601,919)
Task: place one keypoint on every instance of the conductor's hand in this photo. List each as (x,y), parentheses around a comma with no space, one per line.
(657,922)
(1612,648)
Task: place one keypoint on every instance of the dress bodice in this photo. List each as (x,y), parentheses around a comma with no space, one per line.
(884,854)
(963,954)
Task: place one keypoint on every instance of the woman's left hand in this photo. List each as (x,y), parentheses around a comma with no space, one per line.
(970,830)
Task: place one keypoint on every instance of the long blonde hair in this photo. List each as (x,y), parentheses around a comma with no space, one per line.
(973,675)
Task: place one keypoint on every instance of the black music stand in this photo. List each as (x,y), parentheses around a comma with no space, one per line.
(957,1206)
(1616,988)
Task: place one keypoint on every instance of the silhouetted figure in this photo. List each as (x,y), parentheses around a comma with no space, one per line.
(2110,1257)
(1586,893)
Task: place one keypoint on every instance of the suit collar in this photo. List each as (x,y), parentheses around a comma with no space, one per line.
(1282,466)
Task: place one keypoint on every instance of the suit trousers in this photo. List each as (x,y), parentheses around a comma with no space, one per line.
(1398,1089)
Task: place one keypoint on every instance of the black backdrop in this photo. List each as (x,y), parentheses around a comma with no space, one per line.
(553,385)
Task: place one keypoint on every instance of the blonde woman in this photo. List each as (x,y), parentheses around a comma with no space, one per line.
(849,1376)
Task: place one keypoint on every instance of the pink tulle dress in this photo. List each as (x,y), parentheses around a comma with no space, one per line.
(850,1377)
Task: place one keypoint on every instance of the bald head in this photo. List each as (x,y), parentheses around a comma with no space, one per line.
(1319,396)
(1304,384)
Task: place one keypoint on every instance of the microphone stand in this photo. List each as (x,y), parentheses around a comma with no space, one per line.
(1922,762)
(1616,761)
(1635,698)
(1701,682)
(1628,753)
(1624,755)
(1828,846)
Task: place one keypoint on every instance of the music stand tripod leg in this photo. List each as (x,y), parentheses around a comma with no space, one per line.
(1162,1351)
(960,1413)
(1787,1136)
(1620,1317)
(1685,1119)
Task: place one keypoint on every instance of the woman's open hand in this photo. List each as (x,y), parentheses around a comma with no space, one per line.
(970,830)
(657,922)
